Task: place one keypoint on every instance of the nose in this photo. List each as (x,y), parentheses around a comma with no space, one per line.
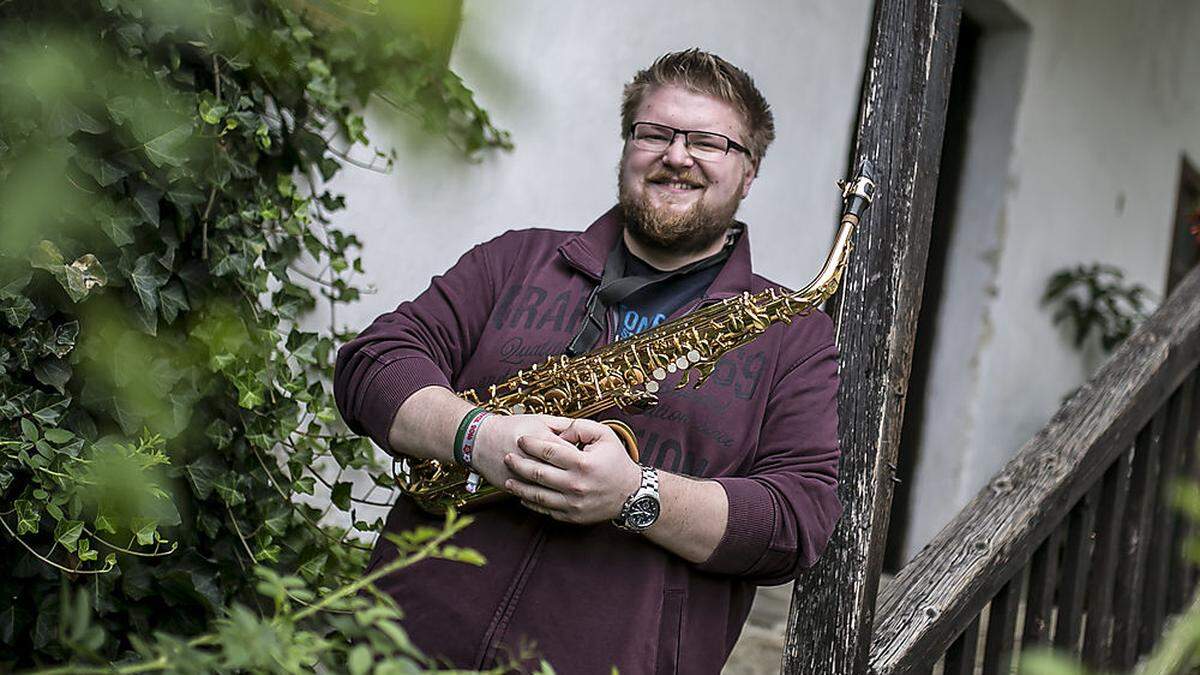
(677,153)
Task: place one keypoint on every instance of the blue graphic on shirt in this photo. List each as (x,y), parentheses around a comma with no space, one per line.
(634,322)
(657,302)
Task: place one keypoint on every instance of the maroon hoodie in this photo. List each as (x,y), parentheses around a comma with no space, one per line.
(589,597)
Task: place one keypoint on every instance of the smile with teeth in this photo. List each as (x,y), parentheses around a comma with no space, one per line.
(677,185)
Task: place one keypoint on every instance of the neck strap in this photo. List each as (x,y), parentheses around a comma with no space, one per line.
(615,286)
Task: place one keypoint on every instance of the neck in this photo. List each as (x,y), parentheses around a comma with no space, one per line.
(667,260)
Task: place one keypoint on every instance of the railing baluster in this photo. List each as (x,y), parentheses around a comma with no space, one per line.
(1059,475)
(960,658)
(1104,561)
(1191,475)
(1135,541)
(1077,555)
(1154,606)
(1179,576)
(1043,578)
(1002,620)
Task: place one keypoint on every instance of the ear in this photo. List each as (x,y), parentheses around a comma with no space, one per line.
(748,175)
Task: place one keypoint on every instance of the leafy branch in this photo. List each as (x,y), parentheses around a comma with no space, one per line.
(159,382)
(1097,300)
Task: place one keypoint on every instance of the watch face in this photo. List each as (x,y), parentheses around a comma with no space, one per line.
(643,512)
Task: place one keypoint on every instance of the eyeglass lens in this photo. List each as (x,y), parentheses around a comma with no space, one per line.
(700,144)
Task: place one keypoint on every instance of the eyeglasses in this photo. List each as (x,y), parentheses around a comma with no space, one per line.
(703,145)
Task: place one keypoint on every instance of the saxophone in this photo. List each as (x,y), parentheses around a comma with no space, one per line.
(627,374)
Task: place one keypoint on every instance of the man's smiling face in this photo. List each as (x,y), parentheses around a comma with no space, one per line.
(671,200)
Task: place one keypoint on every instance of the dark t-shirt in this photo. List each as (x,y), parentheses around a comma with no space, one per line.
(653,304)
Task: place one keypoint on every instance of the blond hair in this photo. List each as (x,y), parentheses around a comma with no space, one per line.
(705,73)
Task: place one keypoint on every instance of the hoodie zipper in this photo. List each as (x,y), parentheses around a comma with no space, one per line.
(504,611)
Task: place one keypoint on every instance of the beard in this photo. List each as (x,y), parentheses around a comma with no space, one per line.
(666,230)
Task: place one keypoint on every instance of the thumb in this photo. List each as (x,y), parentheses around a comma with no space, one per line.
(585,432)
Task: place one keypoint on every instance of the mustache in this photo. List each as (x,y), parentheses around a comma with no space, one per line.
(663,176)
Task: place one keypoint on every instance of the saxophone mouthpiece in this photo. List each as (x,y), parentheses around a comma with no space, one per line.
(859,191)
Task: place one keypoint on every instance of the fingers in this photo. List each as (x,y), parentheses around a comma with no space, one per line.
(538,473)
(553,451)
(557,424)
(586,432)
(536,497)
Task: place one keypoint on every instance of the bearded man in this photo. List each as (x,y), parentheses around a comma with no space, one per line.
(737,481)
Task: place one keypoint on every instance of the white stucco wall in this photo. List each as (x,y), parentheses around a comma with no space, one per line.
(1111,99)
(552,73)
(1108,101)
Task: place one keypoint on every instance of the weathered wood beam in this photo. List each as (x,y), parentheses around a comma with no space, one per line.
(901,119)
(990,540)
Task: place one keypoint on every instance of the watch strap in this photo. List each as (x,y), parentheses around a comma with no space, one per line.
(648,487)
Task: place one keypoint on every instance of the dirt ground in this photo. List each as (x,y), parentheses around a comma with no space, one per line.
(760,649)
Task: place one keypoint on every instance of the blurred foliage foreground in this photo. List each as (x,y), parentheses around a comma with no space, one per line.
(163,228)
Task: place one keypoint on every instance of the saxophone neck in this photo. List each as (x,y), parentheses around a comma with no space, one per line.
(826,282)
(857,195)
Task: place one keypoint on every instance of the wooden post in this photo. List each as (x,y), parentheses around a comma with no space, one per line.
(901,120)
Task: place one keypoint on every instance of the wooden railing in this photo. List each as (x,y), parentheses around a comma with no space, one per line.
(1075,542)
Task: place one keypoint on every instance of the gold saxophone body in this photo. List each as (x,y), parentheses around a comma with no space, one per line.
(626,374)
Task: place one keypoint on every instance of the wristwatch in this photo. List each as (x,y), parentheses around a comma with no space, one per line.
(641,509)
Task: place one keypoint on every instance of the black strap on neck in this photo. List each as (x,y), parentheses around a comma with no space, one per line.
(615,286)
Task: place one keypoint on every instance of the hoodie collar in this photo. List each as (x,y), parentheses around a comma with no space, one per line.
(588,250)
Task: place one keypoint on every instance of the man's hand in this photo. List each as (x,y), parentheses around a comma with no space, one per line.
(498,437)
(583,475)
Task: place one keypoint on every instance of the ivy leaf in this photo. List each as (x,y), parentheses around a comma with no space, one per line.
(167,147)
(211,112)
(81,276)
(227,489)
(54,372)
(146,532)
(59,436)
(263,136)
(103,524)
(116,223)
(16,310)
(67,533)
(184,197)
(50,414)
(46,256)
(29,430)
(104,172)
(28,516)
(121,109)
(13,288)
(145,199)
(203,473)
(64,338)
(86,552)
(312,568)
(66,119)
(341,496)
(146,278)
(174,300)
(304,485)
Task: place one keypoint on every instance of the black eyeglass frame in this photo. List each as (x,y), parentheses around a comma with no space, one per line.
(733,145)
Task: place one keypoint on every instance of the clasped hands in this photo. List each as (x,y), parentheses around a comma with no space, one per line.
(573,470)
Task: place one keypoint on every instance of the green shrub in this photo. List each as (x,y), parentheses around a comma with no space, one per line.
(164,226)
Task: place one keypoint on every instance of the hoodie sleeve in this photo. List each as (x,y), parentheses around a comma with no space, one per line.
(423,342)
(782,512)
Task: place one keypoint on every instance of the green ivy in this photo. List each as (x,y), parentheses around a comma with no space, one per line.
(165,227)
